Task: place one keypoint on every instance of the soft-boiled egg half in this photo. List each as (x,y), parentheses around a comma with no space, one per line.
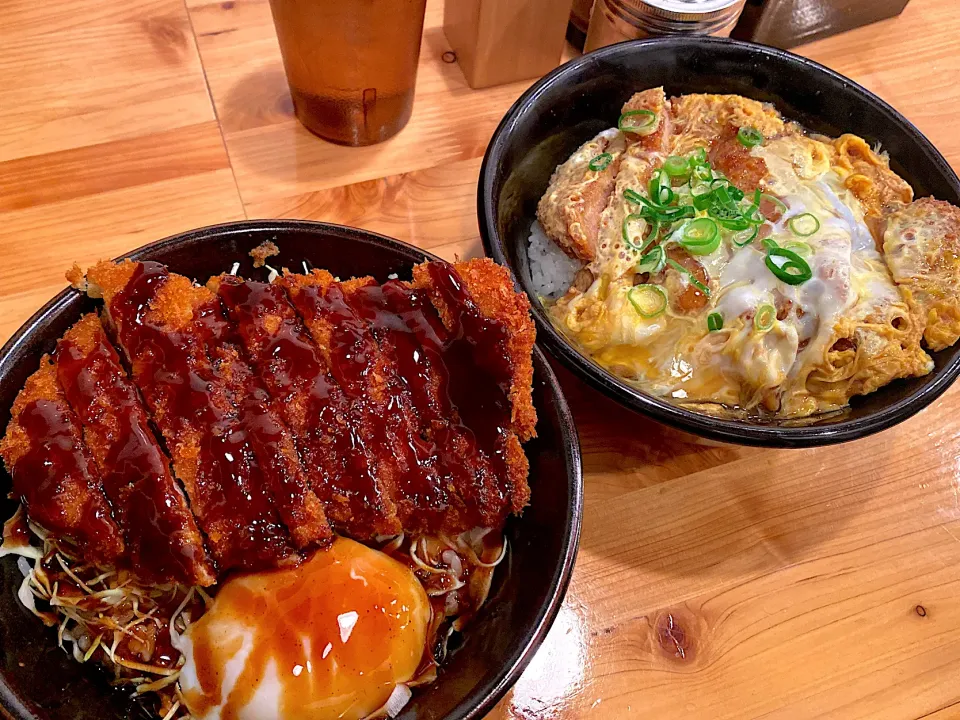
(329,639)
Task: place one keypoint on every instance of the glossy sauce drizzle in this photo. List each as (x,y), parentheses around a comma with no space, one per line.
(162,538)
(58,481)
(293,368)
(177,378)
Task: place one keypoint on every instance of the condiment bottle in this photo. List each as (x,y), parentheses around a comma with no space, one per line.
(613,21)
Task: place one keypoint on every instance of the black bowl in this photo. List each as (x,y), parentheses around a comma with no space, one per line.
(584,96)
(39,681)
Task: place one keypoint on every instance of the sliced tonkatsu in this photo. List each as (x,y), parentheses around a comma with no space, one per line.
(335,445)
(53,473)
(162,323)
(163,543)
(487,352)
(464,492)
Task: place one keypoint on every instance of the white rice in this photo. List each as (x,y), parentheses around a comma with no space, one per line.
(551,269)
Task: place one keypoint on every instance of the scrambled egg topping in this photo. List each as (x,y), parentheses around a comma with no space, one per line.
(769,296)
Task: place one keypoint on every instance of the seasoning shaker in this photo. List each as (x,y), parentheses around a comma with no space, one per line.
(613,21)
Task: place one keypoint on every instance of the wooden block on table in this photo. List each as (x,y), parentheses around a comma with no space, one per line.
(499,41)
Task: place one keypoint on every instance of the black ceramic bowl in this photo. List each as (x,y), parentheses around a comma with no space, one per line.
(584,96)
(38,680)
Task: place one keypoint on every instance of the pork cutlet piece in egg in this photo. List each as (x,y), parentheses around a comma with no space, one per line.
(163,323)
(921,245)
(489,353)
(163,543)
(53,473)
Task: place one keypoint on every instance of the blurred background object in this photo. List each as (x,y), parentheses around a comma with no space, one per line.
(351,64)
(579,22)
(788,23)
(613,21)
(500,41)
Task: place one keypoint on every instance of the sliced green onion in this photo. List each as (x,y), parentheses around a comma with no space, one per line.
(626,235)
(804,225)
(632,196)
(702,172)
(659,190)
(714,322)
(770,244)
(749,137)
(798,246)
(764,317)
(699,156)
(745,237)
(702,196)
(794,271)
(700,236)
(641,122)
(600,162)
(653,261)
(690,276)
(648,300)
(676,166)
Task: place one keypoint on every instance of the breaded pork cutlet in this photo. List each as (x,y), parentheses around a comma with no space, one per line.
(163,543)
(463,490)
(350,352)
(161,323)
(342,471)
(488,354)
(53,473)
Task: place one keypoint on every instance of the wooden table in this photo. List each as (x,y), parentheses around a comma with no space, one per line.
(712,582)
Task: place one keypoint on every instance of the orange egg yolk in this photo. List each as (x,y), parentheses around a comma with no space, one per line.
(328,639)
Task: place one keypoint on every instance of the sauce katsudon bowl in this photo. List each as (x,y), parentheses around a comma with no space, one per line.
(483,658)
(603,106)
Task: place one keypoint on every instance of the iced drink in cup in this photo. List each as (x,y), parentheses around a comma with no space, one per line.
(351,64)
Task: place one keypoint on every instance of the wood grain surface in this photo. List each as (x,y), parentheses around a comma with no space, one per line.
(713,581)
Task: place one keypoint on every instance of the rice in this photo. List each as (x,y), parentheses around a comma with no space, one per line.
(551,269)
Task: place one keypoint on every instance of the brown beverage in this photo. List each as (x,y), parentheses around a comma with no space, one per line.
(351,64)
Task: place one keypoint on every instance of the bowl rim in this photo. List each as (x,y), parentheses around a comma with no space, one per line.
(484,696)
(730,431)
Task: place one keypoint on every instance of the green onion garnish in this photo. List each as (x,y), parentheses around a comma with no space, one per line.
(653,261)
(804,225)
(776,201)
(794,271)
(690,276)
(600,162)
(659,189)
(632,196)
(641,122)
(763,319)
(648,300)
(700,236)
(745,237)
(626,235)
(699,156)
(714,322)
(798,246)
(676,166)
(749,137)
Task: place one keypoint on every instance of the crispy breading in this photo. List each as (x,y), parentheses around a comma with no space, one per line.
(314,406)
(164,324)
(163,542)
(490,289)
(52,470)
(367,500)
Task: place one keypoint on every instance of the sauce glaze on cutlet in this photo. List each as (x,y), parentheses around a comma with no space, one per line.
(171,369)
(324,421)
(163,542)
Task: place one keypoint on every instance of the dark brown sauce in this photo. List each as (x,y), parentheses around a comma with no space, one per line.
(16,532)
(56,471)
(173,372)
(134,472)
(292,367)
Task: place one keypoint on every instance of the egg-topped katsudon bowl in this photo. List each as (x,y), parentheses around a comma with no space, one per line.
(730,238)
(280,469)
